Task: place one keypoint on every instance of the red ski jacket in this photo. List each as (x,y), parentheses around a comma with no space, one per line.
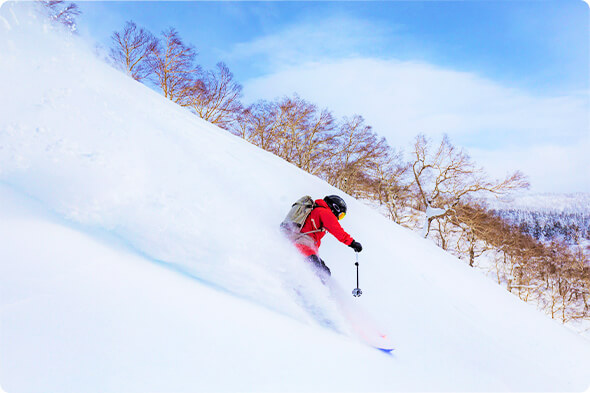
(321,219)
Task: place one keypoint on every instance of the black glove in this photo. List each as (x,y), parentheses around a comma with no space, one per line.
(356,246)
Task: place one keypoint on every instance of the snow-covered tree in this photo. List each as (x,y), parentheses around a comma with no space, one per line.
(445,176)
(61,12)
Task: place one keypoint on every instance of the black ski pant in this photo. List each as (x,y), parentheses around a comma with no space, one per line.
(319,265)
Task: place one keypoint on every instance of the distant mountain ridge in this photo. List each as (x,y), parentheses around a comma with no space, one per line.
(548,216)
(544,202)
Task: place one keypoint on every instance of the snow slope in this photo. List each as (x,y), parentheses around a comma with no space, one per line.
(139,252)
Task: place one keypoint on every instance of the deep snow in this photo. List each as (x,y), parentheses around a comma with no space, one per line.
(139,251)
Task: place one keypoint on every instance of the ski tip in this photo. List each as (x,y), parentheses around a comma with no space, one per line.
(385,350)
(385,345)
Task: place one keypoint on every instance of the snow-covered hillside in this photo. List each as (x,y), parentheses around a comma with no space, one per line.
(545,203)
(139,251)
(549,217)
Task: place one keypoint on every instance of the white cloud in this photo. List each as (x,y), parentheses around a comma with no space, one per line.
(551,168)
(333,37)
(401,99)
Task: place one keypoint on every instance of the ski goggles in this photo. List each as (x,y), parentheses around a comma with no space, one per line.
(341,215)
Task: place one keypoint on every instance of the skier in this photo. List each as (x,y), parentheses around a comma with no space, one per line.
(324,217)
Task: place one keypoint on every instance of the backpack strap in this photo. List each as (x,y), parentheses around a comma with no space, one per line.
(314,224)
(314,231)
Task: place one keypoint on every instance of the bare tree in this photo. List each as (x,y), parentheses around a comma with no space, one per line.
(475,229)
(131,50)
(215,97)
(358,153)
(259,124)
(291,128)
(308,134)
(446,176)
(302,133)
(172,63)
(61,12)
(390,187)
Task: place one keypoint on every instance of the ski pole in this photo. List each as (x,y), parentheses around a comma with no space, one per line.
(356,292)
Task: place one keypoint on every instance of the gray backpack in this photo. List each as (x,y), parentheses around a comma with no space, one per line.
(296,217)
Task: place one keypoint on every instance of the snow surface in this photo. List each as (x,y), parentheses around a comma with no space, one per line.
(139,251)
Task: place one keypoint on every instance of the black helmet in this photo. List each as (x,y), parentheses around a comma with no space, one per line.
(336,204)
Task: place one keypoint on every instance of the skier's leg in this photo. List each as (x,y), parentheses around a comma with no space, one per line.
(320,267)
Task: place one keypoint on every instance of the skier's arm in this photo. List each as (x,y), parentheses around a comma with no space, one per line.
(330,222)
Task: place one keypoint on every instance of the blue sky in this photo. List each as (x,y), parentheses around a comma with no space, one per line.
(541,45)
(507,80)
